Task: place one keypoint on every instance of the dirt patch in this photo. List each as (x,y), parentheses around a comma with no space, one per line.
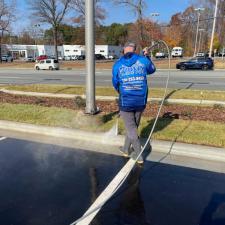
(185,112)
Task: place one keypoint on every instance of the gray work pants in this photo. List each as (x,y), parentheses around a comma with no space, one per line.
(131,121)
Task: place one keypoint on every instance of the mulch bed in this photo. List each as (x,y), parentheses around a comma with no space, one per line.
(185,112)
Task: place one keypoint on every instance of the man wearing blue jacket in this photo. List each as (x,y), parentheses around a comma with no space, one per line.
(130,81)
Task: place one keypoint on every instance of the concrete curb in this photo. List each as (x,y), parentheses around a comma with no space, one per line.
(110,139)
(113,98)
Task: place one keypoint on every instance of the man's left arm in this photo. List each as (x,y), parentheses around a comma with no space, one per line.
(150,67)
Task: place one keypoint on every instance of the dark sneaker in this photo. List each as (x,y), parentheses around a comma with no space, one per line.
(134,156)
(123,152)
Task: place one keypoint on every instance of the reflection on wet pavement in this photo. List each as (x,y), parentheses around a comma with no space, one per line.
(47,184)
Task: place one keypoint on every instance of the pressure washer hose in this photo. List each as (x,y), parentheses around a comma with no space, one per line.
(120,178)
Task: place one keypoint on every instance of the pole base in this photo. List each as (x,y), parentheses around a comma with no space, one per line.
(92,111)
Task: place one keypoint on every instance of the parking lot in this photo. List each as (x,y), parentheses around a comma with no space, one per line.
(49,184)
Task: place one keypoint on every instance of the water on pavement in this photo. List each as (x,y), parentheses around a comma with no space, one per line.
(50,185)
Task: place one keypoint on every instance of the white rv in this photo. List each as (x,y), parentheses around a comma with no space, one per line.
(177,52)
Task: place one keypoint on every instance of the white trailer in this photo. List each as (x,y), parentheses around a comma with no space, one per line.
(73,50)
(109,51)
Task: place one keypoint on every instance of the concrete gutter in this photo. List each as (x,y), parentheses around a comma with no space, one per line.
(110,139)
(113,98)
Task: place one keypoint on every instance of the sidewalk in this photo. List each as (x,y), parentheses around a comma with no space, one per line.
(83,138)
(113,98)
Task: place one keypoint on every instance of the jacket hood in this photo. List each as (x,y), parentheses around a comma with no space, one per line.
(129,59)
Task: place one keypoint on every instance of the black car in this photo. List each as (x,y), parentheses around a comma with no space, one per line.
(81,57)
(203,63)
(99,57)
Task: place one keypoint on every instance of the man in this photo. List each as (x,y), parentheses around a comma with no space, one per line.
(130,81)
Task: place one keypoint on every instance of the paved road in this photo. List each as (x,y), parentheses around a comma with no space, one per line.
(53,185)
(212,80)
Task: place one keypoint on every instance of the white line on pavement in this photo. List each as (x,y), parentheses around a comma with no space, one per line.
(10,77)
(2,138)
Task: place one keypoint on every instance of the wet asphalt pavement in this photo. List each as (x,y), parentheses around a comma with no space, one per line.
(44,184)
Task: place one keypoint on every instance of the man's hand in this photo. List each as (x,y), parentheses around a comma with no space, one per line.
(145,51)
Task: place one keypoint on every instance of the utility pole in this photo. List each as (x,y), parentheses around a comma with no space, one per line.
(154,14)
(200,39)
(90,56)
(36,26)
(196,38)
(213,30)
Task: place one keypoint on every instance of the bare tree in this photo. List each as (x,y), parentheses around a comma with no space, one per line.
(79,7)
(51,12)
(137,7)
(6,18)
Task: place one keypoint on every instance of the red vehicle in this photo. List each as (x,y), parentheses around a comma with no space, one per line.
(41,57)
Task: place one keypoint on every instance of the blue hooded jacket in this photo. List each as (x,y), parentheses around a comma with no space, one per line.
(130,80)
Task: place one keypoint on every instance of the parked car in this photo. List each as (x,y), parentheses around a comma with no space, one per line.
(51,57)
(203,63)
(81,57)
(160,55)
(99,57)
(7,58)
(41,57)
(47,64)
(177,52)
(111,57)
(67,58)
(74,57)
(30,59)
(207,54)
(200,54)
(221,53)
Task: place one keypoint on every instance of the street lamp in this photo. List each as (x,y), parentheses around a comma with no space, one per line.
(200,38)
(196,39)
(35,38)
(154,14)
(213,30)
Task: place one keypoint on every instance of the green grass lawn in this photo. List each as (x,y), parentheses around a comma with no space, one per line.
(187,131)
(109,91)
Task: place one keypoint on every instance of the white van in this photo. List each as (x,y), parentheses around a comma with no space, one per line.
(47,64)
(177,52)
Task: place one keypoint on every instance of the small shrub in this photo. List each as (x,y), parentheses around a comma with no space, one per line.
(187,114)
(218,106)
(79,102)
(165,103)
(39,101)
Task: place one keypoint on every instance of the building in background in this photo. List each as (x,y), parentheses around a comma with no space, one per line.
(49,50)
(24,51)
(73,50)
(19,51)
(109,51)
